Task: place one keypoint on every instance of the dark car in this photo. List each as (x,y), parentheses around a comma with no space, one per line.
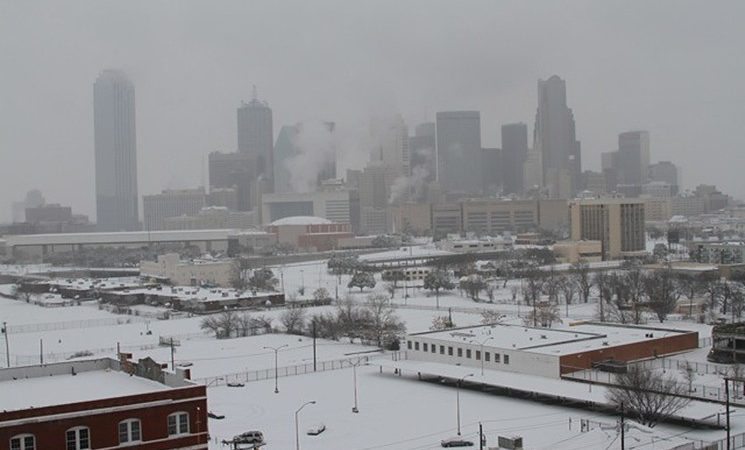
(456,442)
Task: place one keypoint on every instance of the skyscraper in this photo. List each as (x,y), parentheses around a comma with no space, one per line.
(256,136)
(390,144)
(115,152)
(459,151)
(556,141)
(491,170)
(514,155)
(633,157)
(232,170)
(422,151)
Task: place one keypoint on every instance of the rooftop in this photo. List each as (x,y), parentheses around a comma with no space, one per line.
(558,341)
(301,220)
(55,384)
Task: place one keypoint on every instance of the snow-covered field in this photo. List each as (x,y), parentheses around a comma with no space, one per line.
(396,413)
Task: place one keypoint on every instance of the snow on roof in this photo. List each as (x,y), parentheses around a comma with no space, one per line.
(63,389)
(555,341)
(301,220)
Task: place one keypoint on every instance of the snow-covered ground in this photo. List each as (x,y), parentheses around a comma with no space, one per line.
(395,413)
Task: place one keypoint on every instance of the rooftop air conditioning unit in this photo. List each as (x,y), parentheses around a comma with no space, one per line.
(511,443)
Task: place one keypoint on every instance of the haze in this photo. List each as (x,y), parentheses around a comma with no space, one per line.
(674,68)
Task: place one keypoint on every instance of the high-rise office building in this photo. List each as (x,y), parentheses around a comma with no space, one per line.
(514,155)
(390,144)
(633,157)
(555,140)
(491,170)
(171,203)
(115,152)
(423,157)
(256,136)
(284,150)
(459,151)
(232,170)
(665,172)
(618,223)
(374,192)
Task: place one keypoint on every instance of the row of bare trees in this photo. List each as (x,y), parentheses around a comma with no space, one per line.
(374,322)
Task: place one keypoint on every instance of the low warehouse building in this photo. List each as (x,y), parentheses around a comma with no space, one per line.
(545,351)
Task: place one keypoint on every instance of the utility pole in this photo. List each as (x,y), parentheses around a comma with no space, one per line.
(173,363)
(481,437)
(726,402)
(7,344)
(314,345)
(41,352)
(623,429)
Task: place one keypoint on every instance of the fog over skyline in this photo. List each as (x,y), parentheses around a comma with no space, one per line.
(671,67)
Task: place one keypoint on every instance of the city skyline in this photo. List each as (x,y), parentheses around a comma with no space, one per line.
(181,121)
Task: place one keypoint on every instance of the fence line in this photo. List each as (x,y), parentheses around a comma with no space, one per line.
(286,371)
(73,324)
(25,360)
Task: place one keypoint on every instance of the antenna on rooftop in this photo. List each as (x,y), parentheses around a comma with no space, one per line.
(254,94)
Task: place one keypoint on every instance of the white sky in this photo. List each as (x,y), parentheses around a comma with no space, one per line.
(672,67)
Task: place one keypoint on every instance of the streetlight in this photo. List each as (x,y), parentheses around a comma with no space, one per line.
(297,431)
(482,352)
(4,331)
(457,398)
(276,351)
(355,409)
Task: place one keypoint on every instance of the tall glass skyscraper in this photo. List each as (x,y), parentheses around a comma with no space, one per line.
(115,152)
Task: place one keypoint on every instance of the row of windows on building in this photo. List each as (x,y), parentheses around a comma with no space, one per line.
(451,351)
(129,431)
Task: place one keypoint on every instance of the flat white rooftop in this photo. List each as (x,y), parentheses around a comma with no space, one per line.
(557,341)
(64,389)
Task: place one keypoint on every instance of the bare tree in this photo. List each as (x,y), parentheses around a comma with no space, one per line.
(602,281)
(552,285)
(262,323)
(544,314)
(490,290)
(211,324)
(690,286)
(581,275)
(244,325)
(223,325)
(441,323)
(351,319)
(490,316)
(689,374)
(650,395)
(661,293)
(384,326)
(293,319)
(472,284)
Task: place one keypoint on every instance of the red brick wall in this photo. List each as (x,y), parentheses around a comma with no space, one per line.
(103,426)
(630,352)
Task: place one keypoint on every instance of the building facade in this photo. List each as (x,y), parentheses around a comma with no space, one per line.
(555,140)
(633,157)
(115,152)
(190,273)
(617,223)
(332,205)
(514,155)
(232,171)
(171,203)
(256,136)
(459,151)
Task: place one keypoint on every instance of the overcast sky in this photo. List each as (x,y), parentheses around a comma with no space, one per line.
(673,67)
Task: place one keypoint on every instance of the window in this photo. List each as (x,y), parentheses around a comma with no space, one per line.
(468,353)
(506,359)
(416,345)
(450,351)
(424,347)
(460,352)
(130,431)
(408,344)
(486,356)
(496,358)
(178,423)
(434,348)
(23,442)
(78,438)
(478,355)
(442,349)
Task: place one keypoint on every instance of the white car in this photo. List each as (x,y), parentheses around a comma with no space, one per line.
(317,429)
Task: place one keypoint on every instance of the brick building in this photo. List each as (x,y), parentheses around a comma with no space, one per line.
(101,404)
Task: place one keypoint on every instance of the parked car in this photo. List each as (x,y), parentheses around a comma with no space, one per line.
(317,429)
(249,437)
(456,442)
(235,384)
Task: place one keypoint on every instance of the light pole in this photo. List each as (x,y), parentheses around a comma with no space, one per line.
(276,352)
(297,430)
(482,352)
(302,281)
(7,344)
(355,409)
(457,399)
